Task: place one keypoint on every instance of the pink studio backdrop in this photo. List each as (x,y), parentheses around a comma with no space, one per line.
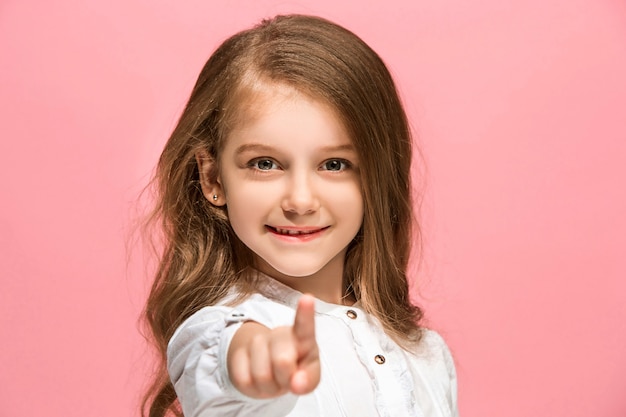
(520,108)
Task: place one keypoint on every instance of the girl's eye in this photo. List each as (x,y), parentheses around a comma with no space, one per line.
(335,165)
(264,164)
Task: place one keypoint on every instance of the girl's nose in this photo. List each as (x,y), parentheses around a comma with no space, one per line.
(300,196)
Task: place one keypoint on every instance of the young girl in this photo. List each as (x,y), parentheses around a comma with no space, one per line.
(288,174)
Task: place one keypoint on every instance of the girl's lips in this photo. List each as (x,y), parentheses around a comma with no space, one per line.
(296,233)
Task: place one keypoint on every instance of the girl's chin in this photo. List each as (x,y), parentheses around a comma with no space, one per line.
(290,273)
(298,268)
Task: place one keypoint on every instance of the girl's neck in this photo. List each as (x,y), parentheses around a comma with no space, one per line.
(326,284)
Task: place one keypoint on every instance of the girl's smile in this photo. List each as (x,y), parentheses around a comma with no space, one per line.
(289,175)
(297,234)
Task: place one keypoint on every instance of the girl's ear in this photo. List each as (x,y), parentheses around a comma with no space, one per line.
(209,179)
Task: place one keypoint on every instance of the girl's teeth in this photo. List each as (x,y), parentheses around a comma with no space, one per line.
(293,232)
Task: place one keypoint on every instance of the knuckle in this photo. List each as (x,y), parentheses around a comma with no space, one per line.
(257,341)
(283,360)
(263,377)
(243,381)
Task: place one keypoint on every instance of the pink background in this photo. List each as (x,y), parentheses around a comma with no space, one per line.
(520,108)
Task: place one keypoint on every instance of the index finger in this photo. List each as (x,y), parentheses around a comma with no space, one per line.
(304,325)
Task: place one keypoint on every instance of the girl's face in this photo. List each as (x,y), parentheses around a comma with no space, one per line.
(289,175)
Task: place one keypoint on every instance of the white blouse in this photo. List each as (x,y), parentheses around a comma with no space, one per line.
(363,371)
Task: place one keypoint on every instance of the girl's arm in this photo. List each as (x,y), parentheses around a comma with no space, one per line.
(266,363)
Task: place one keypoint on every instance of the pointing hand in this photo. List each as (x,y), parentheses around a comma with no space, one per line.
(266,363)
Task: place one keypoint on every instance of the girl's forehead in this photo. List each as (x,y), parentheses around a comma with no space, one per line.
(261,99)
(282,117)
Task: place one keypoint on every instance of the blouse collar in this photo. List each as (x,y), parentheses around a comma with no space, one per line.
(281,293)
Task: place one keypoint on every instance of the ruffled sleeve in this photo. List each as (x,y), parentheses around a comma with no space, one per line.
(196,358)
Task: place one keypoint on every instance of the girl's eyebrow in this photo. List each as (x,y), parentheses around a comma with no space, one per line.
(344,147)
(258,147)
(247,147)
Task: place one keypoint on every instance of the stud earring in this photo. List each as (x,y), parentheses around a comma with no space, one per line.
(214,197)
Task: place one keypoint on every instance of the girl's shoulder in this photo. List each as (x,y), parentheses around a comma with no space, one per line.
(234,309)
(434,356)
(433,347)
(431,340)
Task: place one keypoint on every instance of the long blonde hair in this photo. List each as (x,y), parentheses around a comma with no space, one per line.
(202,258)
